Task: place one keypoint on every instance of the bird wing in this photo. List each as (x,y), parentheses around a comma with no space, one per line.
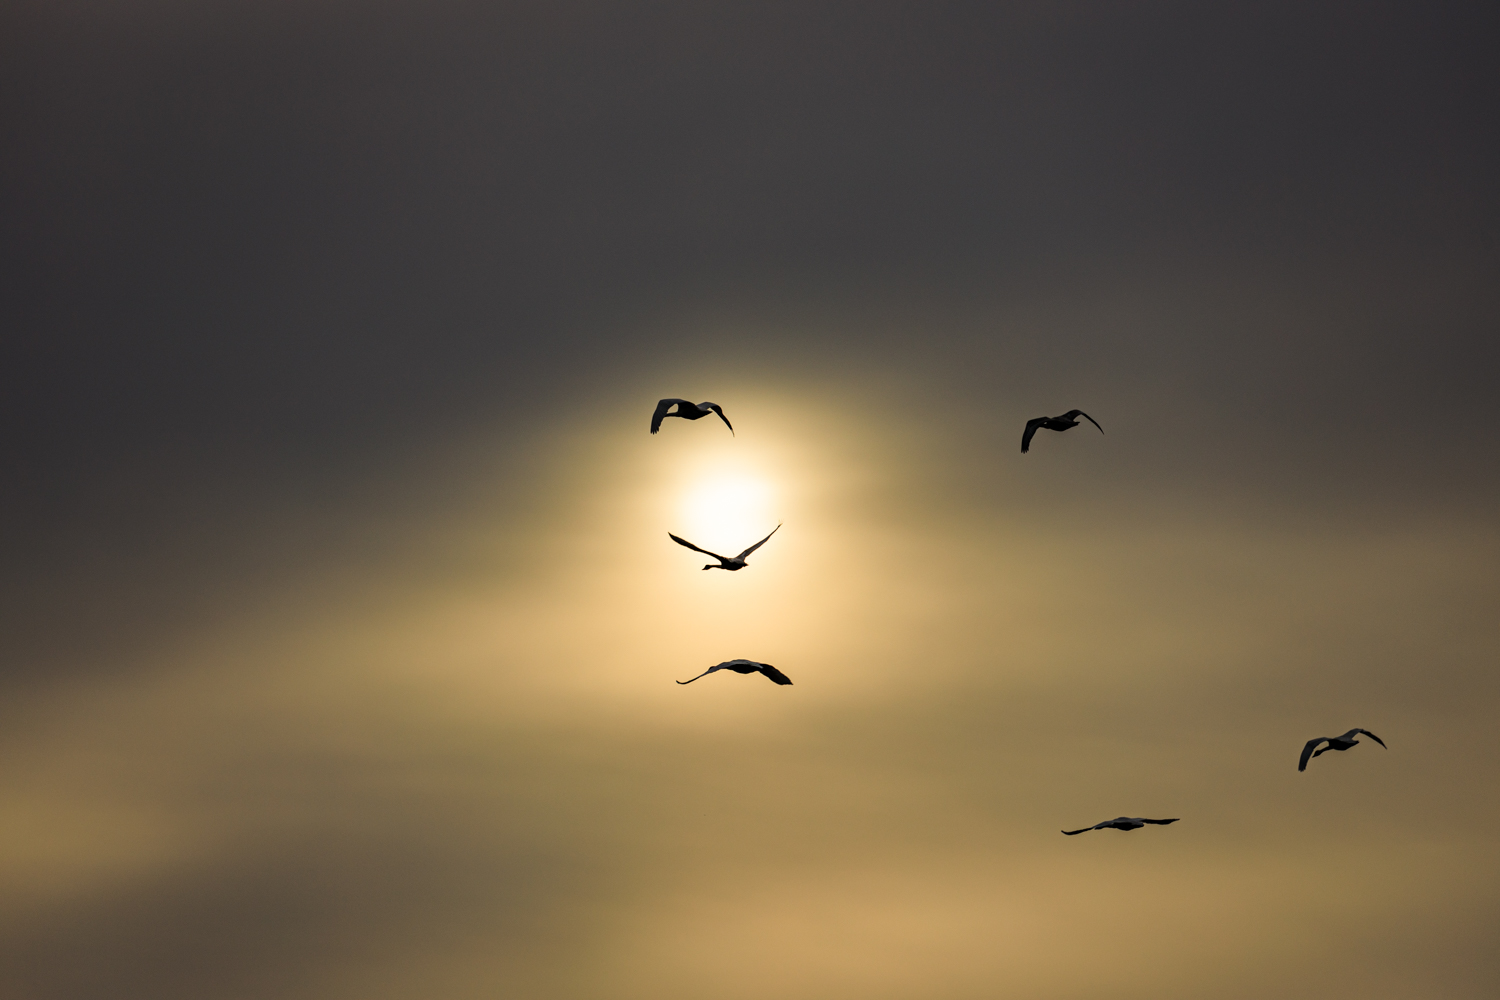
(704,674)
(688,544)
(1372,736)
(774,674)
(1031,426)
(720,412)
(1080,413)
(743,555)
(1307,752)
(1074,833)
(1160,822)
(661,411)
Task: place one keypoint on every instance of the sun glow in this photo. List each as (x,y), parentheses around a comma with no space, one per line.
(728,512)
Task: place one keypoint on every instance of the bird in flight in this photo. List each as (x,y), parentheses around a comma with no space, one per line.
(1120,823)
(1334,743)
(687,411)
(1062,423)
(737,563)
(744,667)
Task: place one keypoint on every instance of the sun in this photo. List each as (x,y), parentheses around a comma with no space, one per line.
(730,511)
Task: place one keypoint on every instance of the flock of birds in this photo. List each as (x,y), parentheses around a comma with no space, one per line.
(688,410)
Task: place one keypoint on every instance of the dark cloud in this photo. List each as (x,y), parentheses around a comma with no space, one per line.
(294,230)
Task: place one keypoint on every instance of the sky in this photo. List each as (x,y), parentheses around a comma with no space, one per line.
(338,617)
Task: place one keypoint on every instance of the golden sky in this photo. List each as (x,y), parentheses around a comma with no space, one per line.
(461,768)
(340,621)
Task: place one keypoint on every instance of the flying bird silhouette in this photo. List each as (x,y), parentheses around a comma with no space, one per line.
(744,667)
(1061,423)
(737,563)
(1334,743)
(687,411)
(1120,823)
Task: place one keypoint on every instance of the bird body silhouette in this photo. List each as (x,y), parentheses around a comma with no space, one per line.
(744,667)
(687,410)
(1120,823)
(1334,743)
(1062,423)
(725,562)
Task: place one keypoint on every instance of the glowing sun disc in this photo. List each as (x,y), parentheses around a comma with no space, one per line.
(728,512)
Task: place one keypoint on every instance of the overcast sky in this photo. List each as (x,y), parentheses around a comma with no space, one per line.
(339,618)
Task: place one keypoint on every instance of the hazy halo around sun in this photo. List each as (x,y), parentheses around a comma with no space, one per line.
(726,510)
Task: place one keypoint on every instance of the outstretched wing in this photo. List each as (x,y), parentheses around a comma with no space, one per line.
(1372,736)
(1307,752)
(1097,826)
(720,412)
(688,544)
(745,554)
(1160,822)
(774,674)
(661,411)
(1031,426)
(1079,413)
